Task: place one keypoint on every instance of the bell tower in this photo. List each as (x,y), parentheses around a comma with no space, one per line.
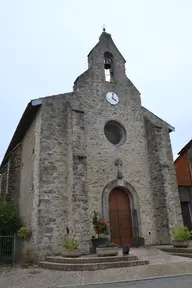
(105,60)
(106,65)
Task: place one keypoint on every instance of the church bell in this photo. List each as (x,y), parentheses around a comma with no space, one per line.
(107,63)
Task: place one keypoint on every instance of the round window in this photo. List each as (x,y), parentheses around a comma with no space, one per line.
(115,132)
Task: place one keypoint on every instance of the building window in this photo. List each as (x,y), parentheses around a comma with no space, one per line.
(115,132)
(186,213)
(108,66)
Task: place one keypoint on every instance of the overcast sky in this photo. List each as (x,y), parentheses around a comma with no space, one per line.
(44,46)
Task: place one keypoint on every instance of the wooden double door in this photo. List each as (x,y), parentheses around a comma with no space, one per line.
(120,217)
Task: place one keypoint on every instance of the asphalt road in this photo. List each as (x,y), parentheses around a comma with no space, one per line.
(175,282)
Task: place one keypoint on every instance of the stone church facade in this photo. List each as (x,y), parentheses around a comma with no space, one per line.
(95,148)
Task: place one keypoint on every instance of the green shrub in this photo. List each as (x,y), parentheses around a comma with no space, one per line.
(71,243)
(181,233)
(24,233)
(9,219)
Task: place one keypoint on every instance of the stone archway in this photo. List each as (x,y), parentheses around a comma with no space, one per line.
(134,203)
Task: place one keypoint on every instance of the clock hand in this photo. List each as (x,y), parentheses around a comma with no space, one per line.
(114,99)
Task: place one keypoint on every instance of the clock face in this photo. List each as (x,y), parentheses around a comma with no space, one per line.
(112,98)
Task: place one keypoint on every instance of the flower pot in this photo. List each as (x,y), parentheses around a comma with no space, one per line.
(108,251)
(180,243)
(97,242)
(71,253)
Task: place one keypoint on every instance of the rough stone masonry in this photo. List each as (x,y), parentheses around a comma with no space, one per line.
(63,160)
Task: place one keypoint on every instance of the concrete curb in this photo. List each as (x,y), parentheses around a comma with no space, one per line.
(127,281)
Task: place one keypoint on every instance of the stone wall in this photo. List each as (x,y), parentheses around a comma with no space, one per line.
(80,189)
(165,192)
(170,183)
(4,179)
(27,181)
(14,176)
(153,134)
(10,177)
(36,185)
(54,204)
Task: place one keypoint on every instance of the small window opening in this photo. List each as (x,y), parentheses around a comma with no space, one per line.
(108,66)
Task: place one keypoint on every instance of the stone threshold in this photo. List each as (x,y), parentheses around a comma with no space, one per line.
(90,266)
(175,251)
(182,255)
(172,249)
(93,259)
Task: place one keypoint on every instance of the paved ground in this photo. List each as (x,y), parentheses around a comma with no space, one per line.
(176,282)
(161,264)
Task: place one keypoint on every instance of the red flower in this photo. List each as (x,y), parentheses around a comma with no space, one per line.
(100,227)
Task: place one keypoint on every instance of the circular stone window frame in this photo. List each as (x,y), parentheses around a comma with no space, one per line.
(121,129)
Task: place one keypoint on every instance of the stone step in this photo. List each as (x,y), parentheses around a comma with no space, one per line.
(86,260)
(177,250)
(90,266)
(182,255)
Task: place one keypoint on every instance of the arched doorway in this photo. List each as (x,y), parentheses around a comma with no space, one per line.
(120,217)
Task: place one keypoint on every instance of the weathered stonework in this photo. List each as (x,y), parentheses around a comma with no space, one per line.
(163,179)
(14,176)
(10,177)
(26,178)
(4,179)
(69,167)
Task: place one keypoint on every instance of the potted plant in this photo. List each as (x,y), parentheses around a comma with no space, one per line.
(101,230)
(24,241)
(71,248)
(24,233)
(181,237)
(108,249)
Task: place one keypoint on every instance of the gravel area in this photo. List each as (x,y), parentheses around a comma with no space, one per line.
(36,278)
(33,277)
